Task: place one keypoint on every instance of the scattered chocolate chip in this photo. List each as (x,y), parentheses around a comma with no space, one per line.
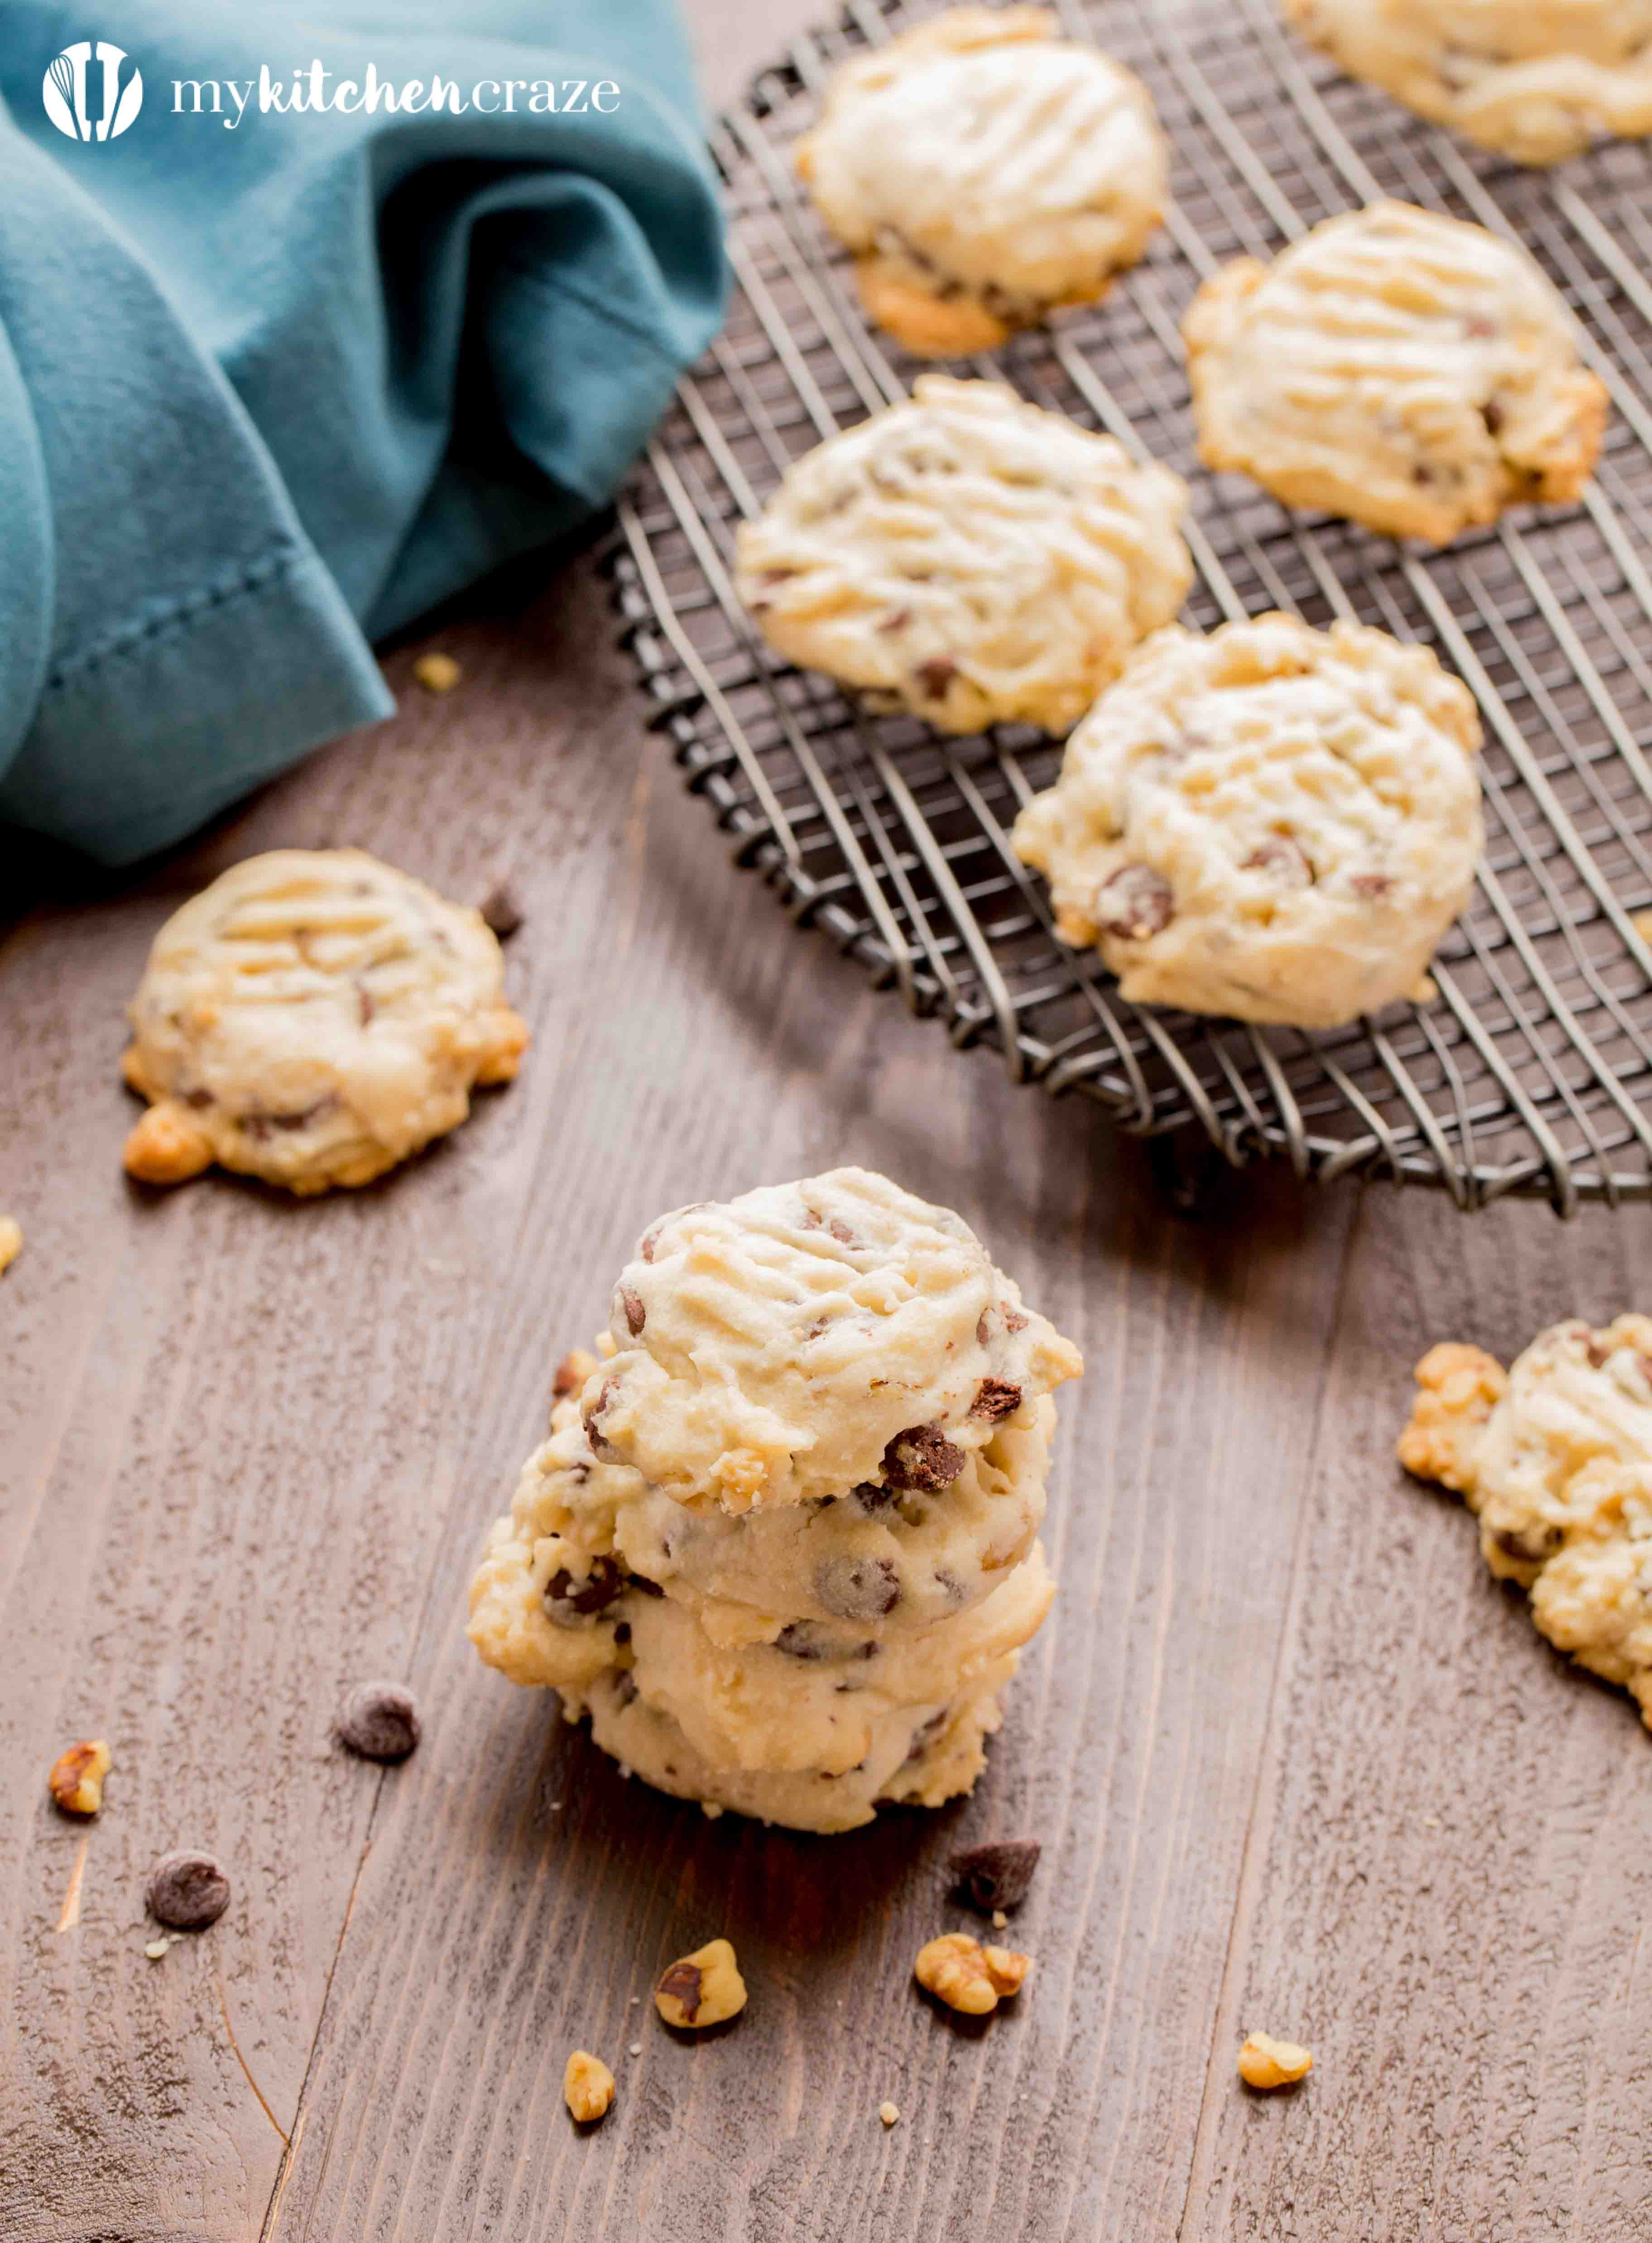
(1282,861)
(996,1874)
(1135,902)
(630,1302)
(923,1457)
(501,910)
(856,1588)
(187,1891)
(802,1639)
(935,677)
(570,1598)
(681,1983)
(379,1722)
(995,1399)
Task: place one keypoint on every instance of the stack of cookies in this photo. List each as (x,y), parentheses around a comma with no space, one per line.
(781,1544)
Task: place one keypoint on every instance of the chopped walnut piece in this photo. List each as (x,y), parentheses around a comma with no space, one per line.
(437,673)
(702,1989)
(10,1240)
(1459,1388)
(77,1780)
(959,1971)
(1266,2063)
(165,1147)
(588,2087)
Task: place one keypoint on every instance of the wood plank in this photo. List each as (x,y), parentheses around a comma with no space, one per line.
(1450,1865)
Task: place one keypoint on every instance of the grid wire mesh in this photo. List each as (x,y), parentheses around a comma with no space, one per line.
(1529,1073)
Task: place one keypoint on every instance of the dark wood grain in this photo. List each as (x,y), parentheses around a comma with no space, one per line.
(1295,1761)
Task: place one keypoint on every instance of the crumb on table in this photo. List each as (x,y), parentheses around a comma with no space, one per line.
(1266,2063)
(10,1240)
(437,673)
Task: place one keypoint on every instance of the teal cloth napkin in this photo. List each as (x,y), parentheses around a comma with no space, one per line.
(272,387)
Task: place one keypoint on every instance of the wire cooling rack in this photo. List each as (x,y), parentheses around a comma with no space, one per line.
(1531,1071)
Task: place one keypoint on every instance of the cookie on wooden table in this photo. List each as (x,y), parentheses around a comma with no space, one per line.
(311,1018)
(1271,822)
(984,170)
(1533,79)
(1555,1457)
(967,557)
(781,1547)
(1407,371)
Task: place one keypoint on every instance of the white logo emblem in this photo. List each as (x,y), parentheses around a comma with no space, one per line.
(64,91)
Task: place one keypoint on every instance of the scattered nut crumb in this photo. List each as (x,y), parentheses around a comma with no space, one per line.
(437,673)
(588,2087)
(997,1874)
(637,2048)
(379,1722)
(156,1949)
(77,1779)
(187,1890)
(702,1989)
(999,1919)
(1265,2063)
(889,2112)
(959,1971)
(501,910)
(711,1809)
(10,1240)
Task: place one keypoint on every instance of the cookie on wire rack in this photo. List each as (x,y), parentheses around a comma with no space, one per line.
(1274,822)
(984,171)
(1408,371)
(967,557)
(1534,79)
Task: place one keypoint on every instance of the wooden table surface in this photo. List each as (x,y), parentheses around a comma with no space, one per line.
(1296,1762)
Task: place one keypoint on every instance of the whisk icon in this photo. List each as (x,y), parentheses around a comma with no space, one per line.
(63,91)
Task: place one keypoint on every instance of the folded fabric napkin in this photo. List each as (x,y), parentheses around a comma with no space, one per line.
(350,302)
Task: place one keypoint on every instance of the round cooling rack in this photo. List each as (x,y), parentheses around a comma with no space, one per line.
(1531,1070)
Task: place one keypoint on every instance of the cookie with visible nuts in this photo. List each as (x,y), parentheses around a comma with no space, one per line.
(379,1722)
(702,1989)
(1266,2063)
(958,1970)
(313,1018)
(963,234)
(968,557)
(187,1890)
(1408,371)
(77,1778)
(1270,822)
(1555,1457)
(588,2087)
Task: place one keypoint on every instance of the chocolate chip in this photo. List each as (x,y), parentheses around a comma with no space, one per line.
(924,1735)
(1514,1543)
(199,1099)
(640,1581)
(1492,414)
(1282,861)
(622,1631)
(982,1329)
(593,1414)
(682,1982)
(936,676)
(1595,1351)
(996,1874)
(1135,902)
(995,1399)
(922,1457)
(802,1639)
(647,1243)
(873,1496)
(632,1303)
(569,1378)
(856,1588)
(501,910)
(187,1891)
(570,1598)
(379,1722)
